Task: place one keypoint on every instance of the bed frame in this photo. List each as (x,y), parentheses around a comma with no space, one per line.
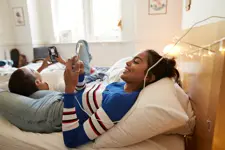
(203,76)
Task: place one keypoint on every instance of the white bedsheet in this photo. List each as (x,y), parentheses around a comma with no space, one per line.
(13,138)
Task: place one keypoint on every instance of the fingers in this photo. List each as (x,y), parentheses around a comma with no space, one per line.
(74,64)
(69,65)
(75,59)
(77,67)
(47,58)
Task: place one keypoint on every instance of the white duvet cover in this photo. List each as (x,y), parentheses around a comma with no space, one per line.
(13,138)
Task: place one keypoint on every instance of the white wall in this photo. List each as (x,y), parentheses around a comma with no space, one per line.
(202,9)
(157,31)
(7,39)
(140,30)
(23,40)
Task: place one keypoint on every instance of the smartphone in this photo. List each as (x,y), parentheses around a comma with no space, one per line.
(78,48)
(53,54)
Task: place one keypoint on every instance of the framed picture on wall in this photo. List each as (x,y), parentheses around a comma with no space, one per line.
(157,7)
(18,16)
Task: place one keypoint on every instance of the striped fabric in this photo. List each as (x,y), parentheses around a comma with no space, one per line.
(69,119)
(92,98)
(98,124)
(80,86)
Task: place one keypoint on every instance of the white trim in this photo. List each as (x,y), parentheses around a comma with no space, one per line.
(70,126)
(69,117)
(89,131)
(97,125)
(68,109)
(105,118)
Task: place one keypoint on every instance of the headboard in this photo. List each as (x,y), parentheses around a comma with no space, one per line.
(203,76)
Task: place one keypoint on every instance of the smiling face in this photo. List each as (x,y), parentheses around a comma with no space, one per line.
(135,69)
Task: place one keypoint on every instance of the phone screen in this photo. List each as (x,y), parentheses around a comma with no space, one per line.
(53,54)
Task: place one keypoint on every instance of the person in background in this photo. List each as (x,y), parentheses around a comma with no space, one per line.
(19,60)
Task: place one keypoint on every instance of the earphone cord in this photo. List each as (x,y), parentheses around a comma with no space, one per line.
(91,115)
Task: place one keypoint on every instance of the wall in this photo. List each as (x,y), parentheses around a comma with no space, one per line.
(23,40)
(157,31)
(202,9)
(140,30)
(7,39)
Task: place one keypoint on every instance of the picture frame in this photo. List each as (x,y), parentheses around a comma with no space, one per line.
(188,5)
(18,15)
(157,7)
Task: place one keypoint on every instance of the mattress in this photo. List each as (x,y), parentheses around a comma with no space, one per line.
(13,138)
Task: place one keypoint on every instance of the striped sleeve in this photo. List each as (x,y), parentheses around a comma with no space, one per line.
(102,120)
(81,83)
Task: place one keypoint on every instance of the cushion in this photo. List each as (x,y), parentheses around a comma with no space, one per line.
(39,113)
(156,111)
(183,98)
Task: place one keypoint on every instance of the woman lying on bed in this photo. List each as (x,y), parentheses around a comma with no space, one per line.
(105,105)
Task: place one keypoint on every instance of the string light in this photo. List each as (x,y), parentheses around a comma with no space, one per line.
(207,48)
(222,48)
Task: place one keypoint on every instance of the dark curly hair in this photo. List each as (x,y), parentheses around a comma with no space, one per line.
(165,68)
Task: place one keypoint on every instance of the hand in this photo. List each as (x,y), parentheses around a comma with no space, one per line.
(76,60)
(81,67)
(71,74)
(46,62)
(60,60)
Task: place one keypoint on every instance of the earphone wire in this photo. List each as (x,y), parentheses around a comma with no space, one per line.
(91,115)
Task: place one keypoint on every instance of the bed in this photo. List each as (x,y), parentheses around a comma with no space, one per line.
(26,140)
(201,81)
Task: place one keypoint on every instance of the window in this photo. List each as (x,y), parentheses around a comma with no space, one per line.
(94,20)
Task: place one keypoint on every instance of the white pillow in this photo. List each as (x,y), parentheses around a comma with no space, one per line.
(156,111)
(116,70)
(183,98)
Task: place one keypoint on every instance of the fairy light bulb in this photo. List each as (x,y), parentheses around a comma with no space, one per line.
(172,50)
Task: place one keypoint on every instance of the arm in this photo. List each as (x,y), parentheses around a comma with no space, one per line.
(44,64)
(61,60)
(81,83)
(76,134)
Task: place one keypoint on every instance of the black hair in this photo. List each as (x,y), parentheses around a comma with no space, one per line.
(165,68)
(22,83)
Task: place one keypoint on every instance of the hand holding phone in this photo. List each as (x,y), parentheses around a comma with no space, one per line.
(53,54)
